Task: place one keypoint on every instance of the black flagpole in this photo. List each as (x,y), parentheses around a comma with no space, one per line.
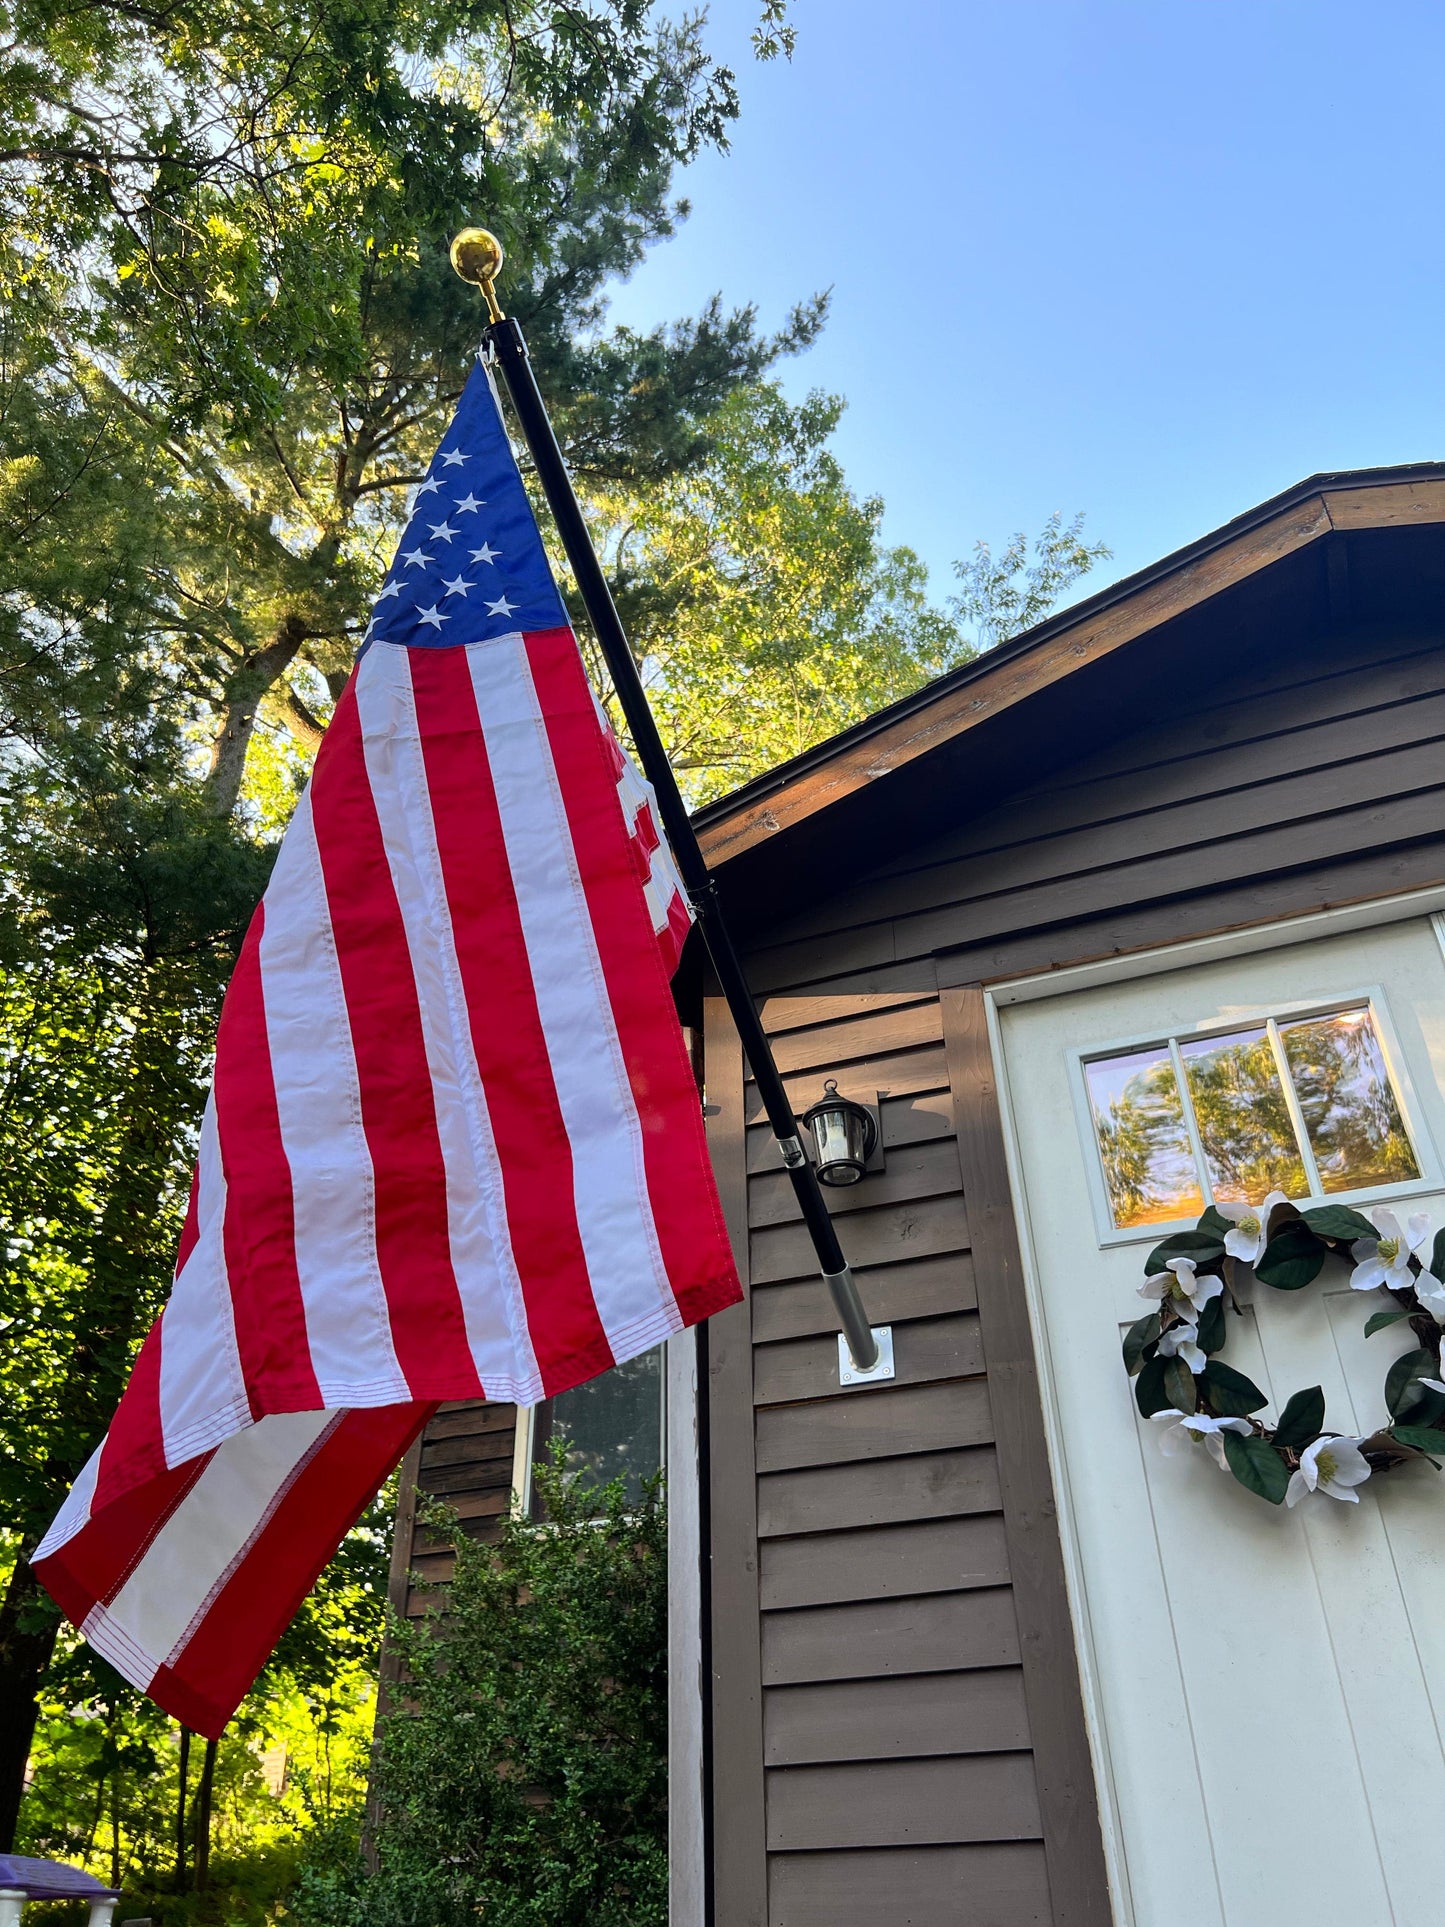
(477,257)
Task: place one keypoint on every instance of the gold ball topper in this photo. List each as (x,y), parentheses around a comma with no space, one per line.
(477,257)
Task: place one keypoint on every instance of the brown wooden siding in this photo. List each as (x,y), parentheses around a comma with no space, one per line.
(1317,778)
(922,1755)
(882,1763)
(464,1459)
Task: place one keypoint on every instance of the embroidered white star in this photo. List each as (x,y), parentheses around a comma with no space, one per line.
(469,505)
(441,531)
(452,458)
(428,487)
(391,589)
(416,558)
(501,607)
(432,616)
(456,586)
(486,553)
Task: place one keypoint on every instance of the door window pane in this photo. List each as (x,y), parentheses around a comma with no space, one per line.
(613,1423)
(1354,1123)
(1244,1122)
(1143,1141)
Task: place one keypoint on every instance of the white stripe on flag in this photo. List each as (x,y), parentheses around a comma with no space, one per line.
(153,1614)
(482,1260)
(318,1098)
(202,1387)
(614,1212)
(75,1513)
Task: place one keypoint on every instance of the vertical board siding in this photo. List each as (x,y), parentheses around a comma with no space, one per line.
(895,1771)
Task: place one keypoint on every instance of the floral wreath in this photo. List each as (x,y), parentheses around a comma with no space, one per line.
(1182,1385)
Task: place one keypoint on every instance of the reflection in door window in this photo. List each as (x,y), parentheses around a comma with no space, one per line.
(1305,1106)
(1351,1113)
(1248,1138)
(1143,1139)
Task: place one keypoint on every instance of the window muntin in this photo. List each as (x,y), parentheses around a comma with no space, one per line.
(1305,1106)
(613,1424)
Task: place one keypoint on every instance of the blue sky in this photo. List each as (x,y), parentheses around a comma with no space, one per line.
(1153,261)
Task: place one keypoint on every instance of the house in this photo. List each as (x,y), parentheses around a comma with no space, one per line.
(965,1649)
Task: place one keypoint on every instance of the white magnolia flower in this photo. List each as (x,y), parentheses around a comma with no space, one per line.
(1180,1430)
(1431,1293)
(1386,1260)
(1250,1227)
(1182,1341)
(1180,1286)
(1333,1465)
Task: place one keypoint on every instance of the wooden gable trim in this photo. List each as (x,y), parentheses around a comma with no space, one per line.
(1003,679)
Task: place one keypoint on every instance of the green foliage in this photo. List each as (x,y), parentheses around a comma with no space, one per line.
(1293,1258)
(1199,1246)
(1302,1420)
(760,600)
(1230,1393)
(524,1780)
(1257,1466)
(1003,597)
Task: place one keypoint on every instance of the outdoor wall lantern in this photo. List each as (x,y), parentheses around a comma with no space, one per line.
(844,1136)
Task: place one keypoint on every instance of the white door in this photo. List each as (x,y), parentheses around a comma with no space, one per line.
(1265,1686)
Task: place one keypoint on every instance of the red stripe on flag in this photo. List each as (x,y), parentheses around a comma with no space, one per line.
(214,1671)
(191,1228)
(397,1112)
(507,1036)
(134,1447)
(696,1254)
(92,1567)
(260,1229)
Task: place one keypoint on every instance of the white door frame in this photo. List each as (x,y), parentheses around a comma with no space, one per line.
(1250,940)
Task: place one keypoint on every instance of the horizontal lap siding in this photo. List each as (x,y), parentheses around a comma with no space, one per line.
(463,1460)
(1266,796)
(896,1748)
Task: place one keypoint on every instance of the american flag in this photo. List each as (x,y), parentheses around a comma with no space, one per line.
(453,1147)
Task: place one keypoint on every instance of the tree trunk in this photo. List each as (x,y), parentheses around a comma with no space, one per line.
(114,1805)
(181,1810)
(28,1625)
(241,700)
(203,1817)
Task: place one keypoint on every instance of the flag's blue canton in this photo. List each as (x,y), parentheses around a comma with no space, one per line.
(471,564)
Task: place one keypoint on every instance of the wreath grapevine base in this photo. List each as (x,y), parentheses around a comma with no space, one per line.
(1173,1354)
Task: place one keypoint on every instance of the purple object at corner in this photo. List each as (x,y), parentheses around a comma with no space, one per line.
(51,1880)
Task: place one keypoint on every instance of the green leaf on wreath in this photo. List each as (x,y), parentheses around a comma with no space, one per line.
(1302,1420)
(1149,1393)
(1137,1340)
(1377,1320)
(1257,1466)
(1292,1258)
(1201,1246)
(1338,1221)
(1211,1326)
(1425,1438)
(1402,1391)
(1215,1223)
(1230,1393)
(1179,1384)
(1437,1254)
